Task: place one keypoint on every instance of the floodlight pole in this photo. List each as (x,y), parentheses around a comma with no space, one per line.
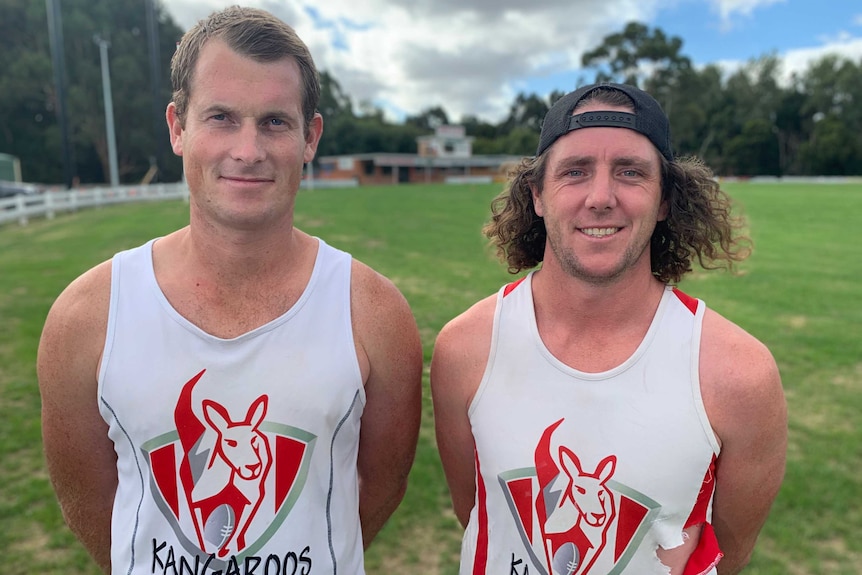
(109,109)
(158,109)
(55,32)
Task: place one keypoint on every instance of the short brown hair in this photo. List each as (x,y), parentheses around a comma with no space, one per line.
(251,32)
(699,221)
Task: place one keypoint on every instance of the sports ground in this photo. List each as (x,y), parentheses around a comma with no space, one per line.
(799,293)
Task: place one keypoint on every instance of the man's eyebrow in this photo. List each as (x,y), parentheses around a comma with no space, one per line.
(575,162)
(290,117)
(634,162)
(215,108)
(271,113)
(631,160)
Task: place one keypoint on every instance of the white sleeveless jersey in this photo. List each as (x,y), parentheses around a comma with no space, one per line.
(234,456)
(589,473)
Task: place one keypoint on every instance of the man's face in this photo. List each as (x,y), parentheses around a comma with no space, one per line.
(601,201)
(243,141)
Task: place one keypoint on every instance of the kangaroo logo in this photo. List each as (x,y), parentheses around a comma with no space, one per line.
(575,519)
(577,509)
(228,476)
(226,495)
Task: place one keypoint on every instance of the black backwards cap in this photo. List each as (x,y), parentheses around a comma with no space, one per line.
(649,119)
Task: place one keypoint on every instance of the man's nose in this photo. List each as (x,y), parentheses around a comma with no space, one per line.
(247,147)
(602,192)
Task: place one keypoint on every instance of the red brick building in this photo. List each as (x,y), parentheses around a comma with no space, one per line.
(445,156)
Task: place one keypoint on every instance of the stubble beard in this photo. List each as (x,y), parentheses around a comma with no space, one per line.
(574,268)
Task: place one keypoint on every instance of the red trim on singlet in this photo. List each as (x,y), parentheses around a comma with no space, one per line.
(512,286)
(707,553)
(707,489)
(480,561)
(687,300)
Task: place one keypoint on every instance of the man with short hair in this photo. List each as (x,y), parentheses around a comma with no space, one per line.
(237,395)
(591,417)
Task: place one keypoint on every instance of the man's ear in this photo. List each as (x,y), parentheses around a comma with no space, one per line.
(175,128)
(663,211)
(537,200)
(312,137)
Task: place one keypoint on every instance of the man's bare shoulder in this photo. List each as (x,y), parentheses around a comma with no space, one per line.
(383,323)
(739,376)
(74,330)
(374,297)
(85,301)
(461,354)
(471,328)
(369,283)
(730,353)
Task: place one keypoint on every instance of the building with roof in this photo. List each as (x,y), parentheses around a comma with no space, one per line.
(445,156)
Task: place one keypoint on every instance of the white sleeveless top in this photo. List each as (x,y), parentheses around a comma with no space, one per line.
(589,473)
(233,455)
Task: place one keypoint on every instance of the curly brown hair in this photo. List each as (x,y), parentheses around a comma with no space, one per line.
(251,32)
(700,222)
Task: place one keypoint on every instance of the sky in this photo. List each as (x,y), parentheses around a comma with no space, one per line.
(473,57)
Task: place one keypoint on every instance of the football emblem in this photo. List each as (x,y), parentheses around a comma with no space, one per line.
(566,559)
(219,526)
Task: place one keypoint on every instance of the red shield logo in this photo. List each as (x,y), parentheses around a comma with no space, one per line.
(225,480)
(572,517)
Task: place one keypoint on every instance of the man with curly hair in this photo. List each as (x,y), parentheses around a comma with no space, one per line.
(591,417)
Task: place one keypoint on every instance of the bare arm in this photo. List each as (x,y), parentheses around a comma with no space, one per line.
(391,359)
(745,402)
(460,356)
(80,457)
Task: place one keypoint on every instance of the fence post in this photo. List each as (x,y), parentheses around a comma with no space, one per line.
(22,217)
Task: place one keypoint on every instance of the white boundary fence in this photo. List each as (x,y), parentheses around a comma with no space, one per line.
(49,203)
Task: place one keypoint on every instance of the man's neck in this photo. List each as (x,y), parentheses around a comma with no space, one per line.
(239,256)
(631,297)
(593,328)
(230,287)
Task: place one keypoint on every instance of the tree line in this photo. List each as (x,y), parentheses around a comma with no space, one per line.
(744,123)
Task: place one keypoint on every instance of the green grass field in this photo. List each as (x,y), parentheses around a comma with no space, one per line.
(799,293)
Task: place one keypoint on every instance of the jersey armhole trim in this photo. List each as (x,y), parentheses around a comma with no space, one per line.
(696,392)
(492,352)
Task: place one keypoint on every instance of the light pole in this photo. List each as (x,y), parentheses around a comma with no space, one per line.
(109,109)
(156,85)
(55,31)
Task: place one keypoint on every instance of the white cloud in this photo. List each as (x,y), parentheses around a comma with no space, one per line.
(730,10)
(797,61)
(800,59)
(469,56)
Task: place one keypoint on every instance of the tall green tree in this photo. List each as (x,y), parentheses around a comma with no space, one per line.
(831,117)
(28,127)
(649,58)
(429,119)
(28,109)
(527,111)
(834,149)
(748,138)
(627,56)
